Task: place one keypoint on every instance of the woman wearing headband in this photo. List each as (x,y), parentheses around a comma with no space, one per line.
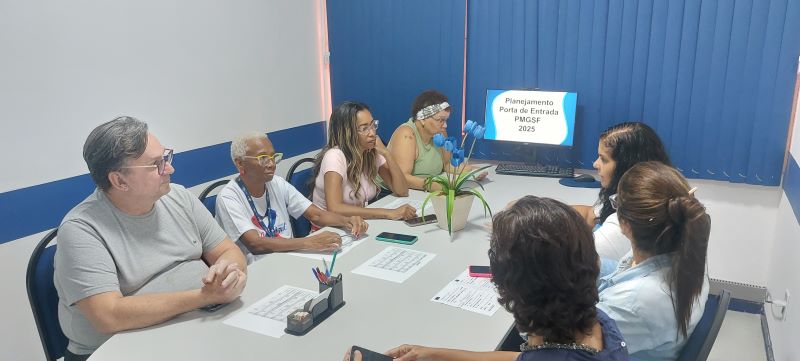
(412,142)
(346,168)
(658,292)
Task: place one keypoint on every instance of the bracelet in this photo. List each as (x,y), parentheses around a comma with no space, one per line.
(427,185)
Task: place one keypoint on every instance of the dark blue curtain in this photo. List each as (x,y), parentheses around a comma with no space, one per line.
(385,52)
(713,77)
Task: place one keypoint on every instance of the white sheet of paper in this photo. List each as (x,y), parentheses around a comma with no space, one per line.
(268,315)
(412,202)
(394,264)
(473,294)
(348,242)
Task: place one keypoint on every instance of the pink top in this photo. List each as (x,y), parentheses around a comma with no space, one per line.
(335,161)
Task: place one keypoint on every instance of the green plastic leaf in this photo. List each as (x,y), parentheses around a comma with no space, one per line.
(483,201)
(451,195)
(441,180)
(425,202)
(464,176)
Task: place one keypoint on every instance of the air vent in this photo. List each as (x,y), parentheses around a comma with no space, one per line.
(742,291)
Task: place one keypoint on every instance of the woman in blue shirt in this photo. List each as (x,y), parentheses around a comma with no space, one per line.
(658,292)
(545,268)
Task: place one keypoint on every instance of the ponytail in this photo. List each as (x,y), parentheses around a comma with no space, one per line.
(665,218)
(692,227)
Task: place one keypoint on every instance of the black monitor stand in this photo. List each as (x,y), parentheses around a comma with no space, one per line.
(531,166)
(528,153)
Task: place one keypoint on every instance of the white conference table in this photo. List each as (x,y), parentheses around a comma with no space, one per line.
(378,314)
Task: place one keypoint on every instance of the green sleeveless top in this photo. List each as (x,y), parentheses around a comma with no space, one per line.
(429,160)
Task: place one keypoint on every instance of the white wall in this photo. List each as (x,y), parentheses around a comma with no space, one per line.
(794,140)
(784,273)
(198,71)
(784,270)
(742,229)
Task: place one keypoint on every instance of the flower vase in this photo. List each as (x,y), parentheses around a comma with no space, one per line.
(461,207)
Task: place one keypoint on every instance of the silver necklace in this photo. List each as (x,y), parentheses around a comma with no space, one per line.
(565,346)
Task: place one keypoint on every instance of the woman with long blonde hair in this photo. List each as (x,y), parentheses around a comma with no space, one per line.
(346,169)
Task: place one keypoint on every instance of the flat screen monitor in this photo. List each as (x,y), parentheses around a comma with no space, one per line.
(531,116)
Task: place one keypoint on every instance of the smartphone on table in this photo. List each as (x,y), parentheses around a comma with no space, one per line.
(396,238)
(480,271)
(418,221)
(213,307)
(368,355)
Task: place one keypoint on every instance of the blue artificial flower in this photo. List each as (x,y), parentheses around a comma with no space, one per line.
(449,145)
(438,140)
(457,157)
(478,131)
(468,126)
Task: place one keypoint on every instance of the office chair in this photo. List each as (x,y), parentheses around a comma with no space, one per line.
(211,202)
(44,298)
(705,333)
(301,227)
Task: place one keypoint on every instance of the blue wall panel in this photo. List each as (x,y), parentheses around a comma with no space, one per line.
(384,53)
(34,209)
(713,77)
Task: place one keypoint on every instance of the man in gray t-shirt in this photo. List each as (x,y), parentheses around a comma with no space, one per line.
(139,250)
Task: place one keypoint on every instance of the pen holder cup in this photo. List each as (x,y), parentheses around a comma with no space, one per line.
(336,298)
(316,310)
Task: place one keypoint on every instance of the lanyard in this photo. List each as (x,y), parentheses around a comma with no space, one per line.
(270,213)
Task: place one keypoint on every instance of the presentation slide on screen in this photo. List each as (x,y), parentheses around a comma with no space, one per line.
(531,116)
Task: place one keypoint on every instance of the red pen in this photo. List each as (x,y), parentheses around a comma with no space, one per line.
(314,271)
(322,277)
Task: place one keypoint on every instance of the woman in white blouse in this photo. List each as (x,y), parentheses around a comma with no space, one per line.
(620,147)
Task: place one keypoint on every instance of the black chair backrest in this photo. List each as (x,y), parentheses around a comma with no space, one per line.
(44,298)
(699,344)
(300,179)
(211,202)
(301,227)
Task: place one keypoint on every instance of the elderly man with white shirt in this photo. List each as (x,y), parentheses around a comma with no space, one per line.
(254,208)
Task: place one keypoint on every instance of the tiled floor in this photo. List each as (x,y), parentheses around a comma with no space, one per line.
(739,339)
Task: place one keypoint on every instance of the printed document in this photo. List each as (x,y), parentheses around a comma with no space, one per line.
(268,315)
(349,242)
(475,294)
(394,264)
(411,202)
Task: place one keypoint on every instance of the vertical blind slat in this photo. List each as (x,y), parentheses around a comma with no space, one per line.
(713,77)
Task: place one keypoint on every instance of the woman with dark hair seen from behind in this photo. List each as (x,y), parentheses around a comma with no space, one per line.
(346,168)
(412,142)
(545,268)
(658,292)
(620,147)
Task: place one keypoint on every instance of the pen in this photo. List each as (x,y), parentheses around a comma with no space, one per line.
(333,261)
(322,277)
(327,270)
(315,274)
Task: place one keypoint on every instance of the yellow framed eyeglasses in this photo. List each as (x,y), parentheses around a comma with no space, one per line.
(265,159)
